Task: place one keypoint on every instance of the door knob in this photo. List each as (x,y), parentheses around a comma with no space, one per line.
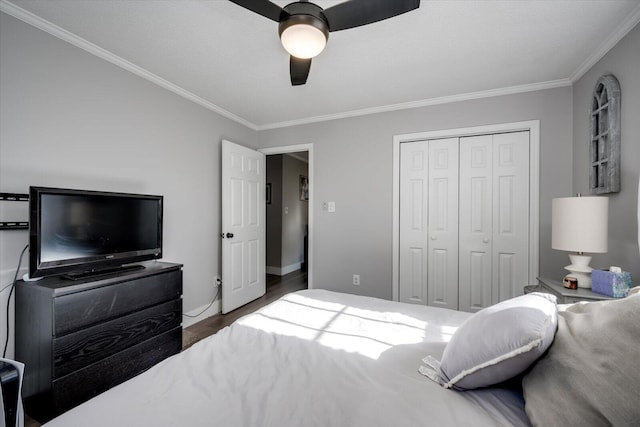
(433,237)
(485,240)
(228,235)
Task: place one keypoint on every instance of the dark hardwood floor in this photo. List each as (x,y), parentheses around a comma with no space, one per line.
(277,286)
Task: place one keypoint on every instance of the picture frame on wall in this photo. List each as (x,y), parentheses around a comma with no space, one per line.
(268,193)
(304,188)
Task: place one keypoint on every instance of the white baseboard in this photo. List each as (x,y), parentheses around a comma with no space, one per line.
(281,271)
(273,270)
(216,306)
(211,311)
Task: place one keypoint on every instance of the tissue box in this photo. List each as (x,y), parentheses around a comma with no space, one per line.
(615,285)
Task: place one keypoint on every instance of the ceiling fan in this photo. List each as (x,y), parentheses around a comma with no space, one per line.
(304,27)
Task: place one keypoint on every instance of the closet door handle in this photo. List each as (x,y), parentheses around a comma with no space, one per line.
(485,240)
(433,237)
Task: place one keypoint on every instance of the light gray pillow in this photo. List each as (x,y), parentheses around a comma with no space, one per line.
(496,343)
(590,374)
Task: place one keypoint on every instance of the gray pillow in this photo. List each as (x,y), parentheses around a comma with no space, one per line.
(590,374)
(496,343)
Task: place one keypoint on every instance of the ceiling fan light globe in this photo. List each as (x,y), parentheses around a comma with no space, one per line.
(303,41)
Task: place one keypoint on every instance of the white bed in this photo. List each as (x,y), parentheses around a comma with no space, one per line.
(312,358)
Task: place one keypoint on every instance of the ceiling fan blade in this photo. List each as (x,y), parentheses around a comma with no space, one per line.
(262,7)
(299,70)
(355,13)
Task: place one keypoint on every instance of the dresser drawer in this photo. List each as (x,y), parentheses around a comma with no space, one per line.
(81,309)
(86,383)
(82,348)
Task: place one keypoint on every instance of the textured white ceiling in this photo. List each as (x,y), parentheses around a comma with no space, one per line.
(231,60)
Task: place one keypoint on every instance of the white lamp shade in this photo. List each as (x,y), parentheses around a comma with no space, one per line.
(303,41)
(580,224)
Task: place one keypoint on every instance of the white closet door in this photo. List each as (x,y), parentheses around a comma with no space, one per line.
(475,223)
(443,223)
(494,218)
(510,214)
(429,223)
(413,222)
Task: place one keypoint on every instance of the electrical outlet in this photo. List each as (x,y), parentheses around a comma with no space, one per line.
(356,279)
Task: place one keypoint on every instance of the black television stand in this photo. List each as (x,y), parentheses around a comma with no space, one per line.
(94,274)
(80,338)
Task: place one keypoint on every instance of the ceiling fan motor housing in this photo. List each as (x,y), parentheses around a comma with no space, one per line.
(304,13)
(304,26)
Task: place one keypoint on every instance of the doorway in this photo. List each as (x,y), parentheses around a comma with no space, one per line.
(530,130)
(464,228)
(289,212)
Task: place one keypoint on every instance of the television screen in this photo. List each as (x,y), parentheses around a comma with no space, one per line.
(78,231)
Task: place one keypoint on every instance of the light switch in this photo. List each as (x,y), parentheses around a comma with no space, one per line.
(331,206)
(286,210)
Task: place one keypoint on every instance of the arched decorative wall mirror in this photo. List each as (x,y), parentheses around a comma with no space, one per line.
(604,145)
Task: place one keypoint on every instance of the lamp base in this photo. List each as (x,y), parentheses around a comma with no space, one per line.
(579,268)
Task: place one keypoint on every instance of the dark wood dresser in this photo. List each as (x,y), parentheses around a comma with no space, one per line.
(78,338)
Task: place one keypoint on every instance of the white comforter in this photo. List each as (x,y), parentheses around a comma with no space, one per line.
(312,358)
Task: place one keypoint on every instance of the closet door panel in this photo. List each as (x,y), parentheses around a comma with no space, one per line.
(443,223)
(510,214)
(477,294)
(475,222)
(414,186)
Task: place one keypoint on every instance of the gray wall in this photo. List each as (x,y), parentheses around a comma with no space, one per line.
(274,212)
(623,61)
(70,119)
(353,167)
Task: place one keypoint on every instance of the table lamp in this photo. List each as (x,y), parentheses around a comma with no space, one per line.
(580,224)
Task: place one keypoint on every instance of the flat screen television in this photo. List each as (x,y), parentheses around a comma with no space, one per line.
(80,232)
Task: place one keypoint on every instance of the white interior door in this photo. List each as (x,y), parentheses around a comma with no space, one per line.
(516,212)
(494,218)
(429,223)
(443,223)
(414,201)
(243,225)
(510,214)
(475,228)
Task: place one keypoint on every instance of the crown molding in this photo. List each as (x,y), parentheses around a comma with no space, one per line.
(627,25)
(422,103)
(56,31)
(17,12)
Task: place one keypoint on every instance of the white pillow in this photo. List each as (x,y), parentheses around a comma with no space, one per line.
(496,343)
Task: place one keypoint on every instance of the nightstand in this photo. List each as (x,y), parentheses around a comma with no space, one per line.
(568,296)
